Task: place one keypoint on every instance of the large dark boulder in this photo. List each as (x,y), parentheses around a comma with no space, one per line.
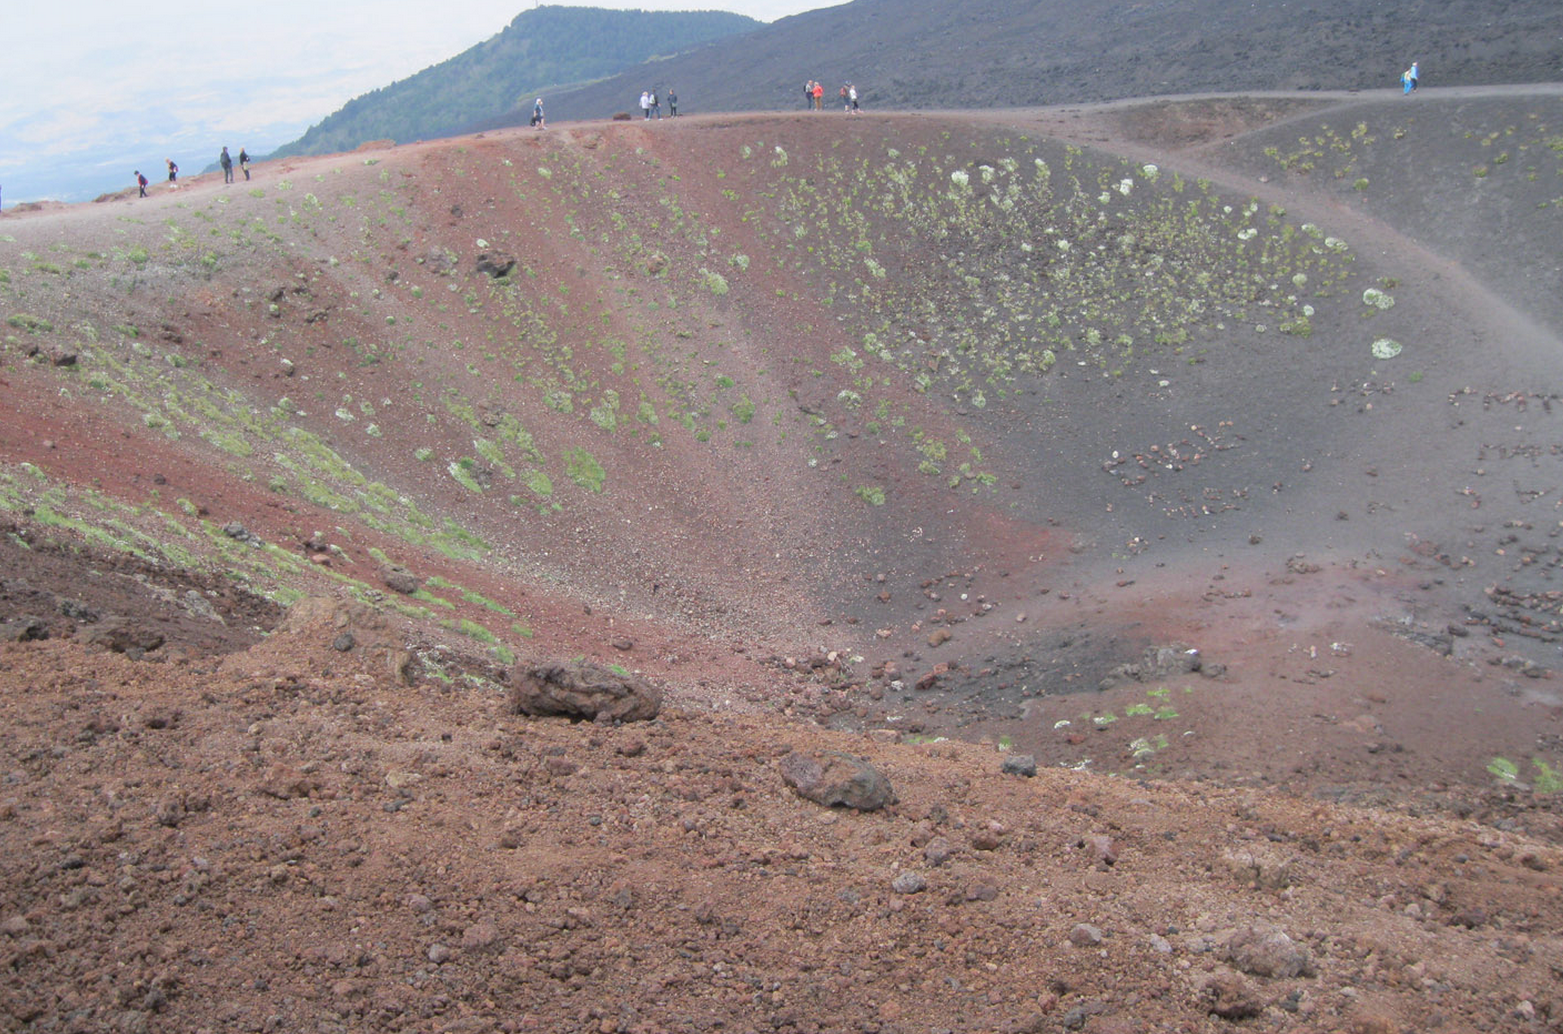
(583,690)
(837,780)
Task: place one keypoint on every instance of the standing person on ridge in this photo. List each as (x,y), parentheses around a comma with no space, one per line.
(173,170)
(227,163)
(244,162)
(656,106)
(672,103)
(1413,75)
(819,96)
(645,104)
(852,98)
(538,122)
(808,95)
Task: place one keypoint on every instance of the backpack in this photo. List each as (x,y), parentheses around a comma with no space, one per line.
(141,180)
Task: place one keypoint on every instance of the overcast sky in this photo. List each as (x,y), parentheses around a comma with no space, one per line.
(87,85)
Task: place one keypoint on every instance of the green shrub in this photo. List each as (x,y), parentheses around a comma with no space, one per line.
(583,468)
(29,323)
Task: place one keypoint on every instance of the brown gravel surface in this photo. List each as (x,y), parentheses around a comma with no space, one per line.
(321,849)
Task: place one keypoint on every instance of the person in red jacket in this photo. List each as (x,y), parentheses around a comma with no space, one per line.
(819,97)
(141,182)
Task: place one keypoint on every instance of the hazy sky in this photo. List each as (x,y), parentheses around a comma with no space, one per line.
(88,85)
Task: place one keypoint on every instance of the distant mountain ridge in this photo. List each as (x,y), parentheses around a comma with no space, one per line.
(931,54)
(539,50)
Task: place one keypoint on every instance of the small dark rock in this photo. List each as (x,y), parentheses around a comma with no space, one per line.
(343,642)
(1230,997)
(23,630)
(1084,935)
(170,812)
(77,611)
(938,851)
(495,265)
(121,636)
(239,533)
(398,579)
(1266,951)
(1019,764)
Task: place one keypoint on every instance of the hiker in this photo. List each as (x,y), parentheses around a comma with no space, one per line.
(819,97)
(656,105)
(141,181)
(645,104)
(537,115)
(672,104)
(808,95)
(1411,77)
(227,163)
(852,98)
(173,170)
(244,163)
(845,104)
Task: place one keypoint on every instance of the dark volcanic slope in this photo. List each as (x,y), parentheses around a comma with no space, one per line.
(541,47)
(994,53)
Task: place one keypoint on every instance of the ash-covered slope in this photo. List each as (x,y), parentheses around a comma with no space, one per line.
(893,397)
(988,53)
(540,50)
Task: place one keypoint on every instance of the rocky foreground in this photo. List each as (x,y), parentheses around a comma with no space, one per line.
(295,838)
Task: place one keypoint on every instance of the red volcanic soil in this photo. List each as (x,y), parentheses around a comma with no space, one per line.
(1270,738)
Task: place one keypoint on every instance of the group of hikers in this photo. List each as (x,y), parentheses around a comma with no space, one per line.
(814,97)
(651,107)
(651,104)
(225,160)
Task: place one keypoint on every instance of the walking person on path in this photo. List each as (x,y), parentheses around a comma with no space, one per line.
(227,163)
(538,122)
(852,99)
(244,163)
(173,170)
(141,182)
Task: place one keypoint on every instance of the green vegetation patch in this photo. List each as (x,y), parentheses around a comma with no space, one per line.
(582,468)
